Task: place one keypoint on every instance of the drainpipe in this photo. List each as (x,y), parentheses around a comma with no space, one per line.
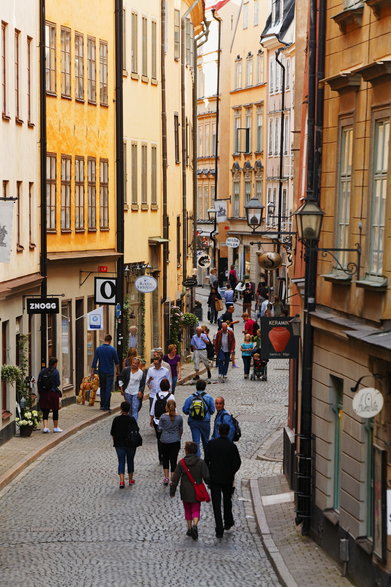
(219,20)
(119,143)
(282,136)
(43,151)
(165,259)
(194,162)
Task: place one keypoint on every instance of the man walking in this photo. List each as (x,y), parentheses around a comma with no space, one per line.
(104,363)
(156,373)
(225,349)
(199,406)
(229,296)
(223,460)
(222,417)
(198,346)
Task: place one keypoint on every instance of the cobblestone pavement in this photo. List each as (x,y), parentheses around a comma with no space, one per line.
(65,522)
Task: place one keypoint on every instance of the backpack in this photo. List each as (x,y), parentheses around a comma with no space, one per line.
(46,381)
(160,404)
(237,431)
(198,408)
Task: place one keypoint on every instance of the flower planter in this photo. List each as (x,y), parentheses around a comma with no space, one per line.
(26,431)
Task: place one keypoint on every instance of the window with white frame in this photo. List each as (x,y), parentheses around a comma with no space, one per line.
(65,62)
(134,43)
(103,73)
(200,212)
(17,76)
(238,74)
(51,177)
(288,74)
(79,66)
(236,199)
(154,175)
(256,12)
(207,141)
(134,157)
(248,124)
(259,129)
(200,141)
(258,189)
(4,96)
(247,191)
(91,178)
(277,135)
(260,67)
(245,15)
(378,187)
(154,50)
(286,134)
(276,11)
(66,192)
(237,122)
(269,206)
(144,41)
(50,57)
(206,202)
(344,191)
(91,69)
(79,193)
(271,76)
(270,137)
(213,139)
(177,34)
(249,71)
(104,194)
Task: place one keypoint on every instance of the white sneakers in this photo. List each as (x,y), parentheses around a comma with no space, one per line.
(57,430)
(46,431)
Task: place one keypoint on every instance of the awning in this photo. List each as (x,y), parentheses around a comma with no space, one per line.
(13,286)
(69,255)
(157,240)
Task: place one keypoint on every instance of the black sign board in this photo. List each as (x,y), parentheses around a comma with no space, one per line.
(43,305)
(189,282)
(277,340)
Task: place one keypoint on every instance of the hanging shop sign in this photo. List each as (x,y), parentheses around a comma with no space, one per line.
(277,339)
(43,305)
(105,290)
(368,402)
(204,261)
(232,242)
(95,319)
(189,282)
(145,284)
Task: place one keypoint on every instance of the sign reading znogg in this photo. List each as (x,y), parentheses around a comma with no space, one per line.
(232,242)
(145,284)
(368,402)
(105,290)
(43,305)
(204,261)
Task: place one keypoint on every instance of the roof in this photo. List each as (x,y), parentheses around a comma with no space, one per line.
(376,338)
(69,255)
(280,28)
(197,15)
(13,286)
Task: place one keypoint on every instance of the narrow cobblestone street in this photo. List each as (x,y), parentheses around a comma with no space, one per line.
(68,524)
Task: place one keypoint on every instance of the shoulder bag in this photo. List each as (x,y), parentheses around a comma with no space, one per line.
(134,437)
(201,493)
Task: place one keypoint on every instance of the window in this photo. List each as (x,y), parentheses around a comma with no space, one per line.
(270,137)
(178,240)
(245,15)
(207,140)
(247,191)
(17,75)
(271,77)
(79,193)
(103,73)
(188,42)
(200,212)
(237,122)
(236,199)
(144,174)
(51,177)
(19,193)
(205,202)
(65,192)
(50,57)
(79,66)
(154,50)
(287,74)
(238,74)
(248,125)
(176,137)
(260,67)
(270,206)
(214,151)
(31,215)
(104,194)
(4,68)
(200,141)
(258,189)
(134,42)
(91,69)
(284,208)
(259,130)
(154,175)
(134,174)
(249,71)
(276,6)
(378,184)
(177,35)
(144,63)
(66,343)
(124,33)
(277,135)
(256,12)
(29,64)
(201,82)
(336,393)
(91,178)
(5,188)
(65,62)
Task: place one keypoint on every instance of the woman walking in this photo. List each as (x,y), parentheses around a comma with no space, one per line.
(121,430)
(199,472)
(213,311)
(49,395)
(158,408)
(171,430)
(174,360)
(130,383)
(247,348)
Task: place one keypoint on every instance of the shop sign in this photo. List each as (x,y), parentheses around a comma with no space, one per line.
(277,339)
(105,290)
(95,319)
(232,242)
(145,284)
(189,282)
(204,261)
(368,402)
(43,305)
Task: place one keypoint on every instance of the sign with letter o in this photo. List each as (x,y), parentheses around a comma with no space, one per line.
(105,290)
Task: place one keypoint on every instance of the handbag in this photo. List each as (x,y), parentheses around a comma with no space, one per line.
(201,493)
(219,305)
(134,438)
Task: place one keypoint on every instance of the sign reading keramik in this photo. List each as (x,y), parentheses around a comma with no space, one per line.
(43,305)
(277,340)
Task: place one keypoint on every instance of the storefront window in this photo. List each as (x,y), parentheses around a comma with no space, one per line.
(66,343)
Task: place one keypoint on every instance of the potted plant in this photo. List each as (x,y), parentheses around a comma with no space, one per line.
(28,422)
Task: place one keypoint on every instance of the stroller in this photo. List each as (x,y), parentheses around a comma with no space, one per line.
(259,366)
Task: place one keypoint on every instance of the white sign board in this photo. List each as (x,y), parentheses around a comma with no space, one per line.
(368,402)
(145,284)
(204,261)
(105,290)
(232,242)
(95,319)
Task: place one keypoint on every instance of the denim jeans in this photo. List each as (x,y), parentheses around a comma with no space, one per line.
(223,362)
(200,430)
(134,404)
(125,453)
(106,381)
(246,364)
(174,381)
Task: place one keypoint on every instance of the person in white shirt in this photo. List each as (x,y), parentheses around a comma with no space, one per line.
(129,382)
(155,375)
(158,408)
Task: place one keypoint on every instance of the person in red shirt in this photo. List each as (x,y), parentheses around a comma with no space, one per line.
(248,324)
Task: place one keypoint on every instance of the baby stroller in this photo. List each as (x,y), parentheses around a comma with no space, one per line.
(259,366)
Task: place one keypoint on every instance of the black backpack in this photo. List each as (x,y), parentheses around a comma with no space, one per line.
(46,381)
(160,404)
(237,432)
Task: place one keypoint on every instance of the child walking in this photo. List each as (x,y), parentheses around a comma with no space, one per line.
(247,348)
(199,472)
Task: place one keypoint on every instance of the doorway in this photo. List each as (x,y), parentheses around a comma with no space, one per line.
(79,344)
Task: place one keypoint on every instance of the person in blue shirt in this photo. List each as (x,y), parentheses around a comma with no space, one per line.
(222,417)
(199,427)
(229,296)
(104,363)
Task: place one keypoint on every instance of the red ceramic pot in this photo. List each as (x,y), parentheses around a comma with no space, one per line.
(279,336)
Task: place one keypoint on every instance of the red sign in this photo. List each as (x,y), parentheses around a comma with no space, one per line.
(102,268)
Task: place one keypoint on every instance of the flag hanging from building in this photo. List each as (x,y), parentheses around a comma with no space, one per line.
(212,5)
(222,207)
(6,223)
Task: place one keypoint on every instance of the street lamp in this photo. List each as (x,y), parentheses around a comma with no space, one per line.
(254,213)
(309,218)
(212,215)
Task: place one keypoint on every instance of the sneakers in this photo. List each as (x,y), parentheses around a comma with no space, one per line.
(132,481)
(45,431)
(246,376)
(122,484)
(57,430)
(165,481)
(235,366)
